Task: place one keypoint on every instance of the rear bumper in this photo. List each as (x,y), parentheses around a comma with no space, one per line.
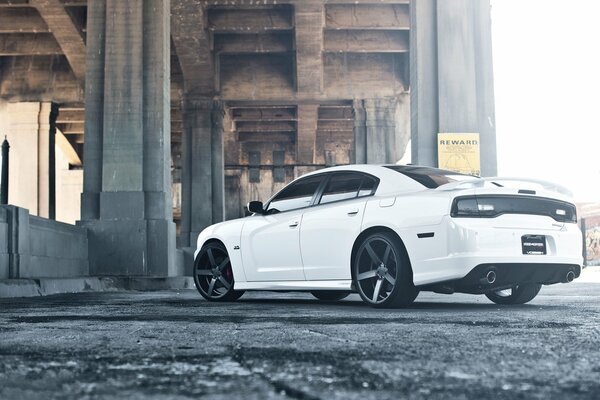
(507,276)
(462,245)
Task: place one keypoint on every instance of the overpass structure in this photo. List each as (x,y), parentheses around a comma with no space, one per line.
(168,116)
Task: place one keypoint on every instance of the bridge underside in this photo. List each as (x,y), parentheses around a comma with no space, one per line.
(192,108)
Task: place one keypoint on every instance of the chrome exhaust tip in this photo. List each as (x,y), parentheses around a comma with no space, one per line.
(569,277)
(491,276)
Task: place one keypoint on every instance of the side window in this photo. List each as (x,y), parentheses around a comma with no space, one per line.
(367,187)
(295,196)
(341,187)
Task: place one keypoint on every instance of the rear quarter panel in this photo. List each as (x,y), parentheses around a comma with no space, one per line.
(410,215)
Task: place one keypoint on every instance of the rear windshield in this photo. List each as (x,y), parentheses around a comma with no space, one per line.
(430,177)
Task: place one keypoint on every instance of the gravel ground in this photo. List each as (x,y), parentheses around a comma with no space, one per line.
(271,346)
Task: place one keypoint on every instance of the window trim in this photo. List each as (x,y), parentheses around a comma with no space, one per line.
(363,176)
(316,199)
(324,178)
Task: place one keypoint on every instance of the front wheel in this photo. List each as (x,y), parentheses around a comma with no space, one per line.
(519,294)
(330,295)
(382,272)
(213,274)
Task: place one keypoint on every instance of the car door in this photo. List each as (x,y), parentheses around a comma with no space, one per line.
(270,243)
(329,229)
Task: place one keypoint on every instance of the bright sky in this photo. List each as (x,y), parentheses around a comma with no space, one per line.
(547,79)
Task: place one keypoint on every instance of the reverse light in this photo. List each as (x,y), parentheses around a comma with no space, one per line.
(561,212)
(485,207)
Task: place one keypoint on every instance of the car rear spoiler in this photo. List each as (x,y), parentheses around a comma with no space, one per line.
(498,181)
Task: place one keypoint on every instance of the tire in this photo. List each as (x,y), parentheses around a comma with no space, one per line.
(213,274)
(520,294)
(330,295)
(382,273)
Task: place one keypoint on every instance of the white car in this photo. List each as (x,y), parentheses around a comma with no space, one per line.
(390,231)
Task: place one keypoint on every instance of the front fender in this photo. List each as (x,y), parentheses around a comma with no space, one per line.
(229,233)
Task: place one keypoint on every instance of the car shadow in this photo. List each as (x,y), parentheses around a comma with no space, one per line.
(416,306)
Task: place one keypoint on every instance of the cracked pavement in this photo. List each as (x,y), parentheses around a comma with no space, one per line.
(290,345)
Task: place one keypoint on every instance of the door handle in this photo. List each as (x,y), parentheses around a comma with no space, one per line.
(294,224)
(352,213)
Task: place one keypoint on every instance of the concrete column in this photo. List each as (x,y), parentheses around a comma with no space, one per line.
(52,162)
(94,110)
(486,107)
(28,131)
(309,22)
(386,129)
(451,76)
(360,132)
(424,82)
(218,162)
(43,181)
(203,175)
(134,233)
(306,143)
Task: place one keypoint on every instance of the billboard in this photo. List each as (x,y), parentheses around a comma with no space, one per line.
(459,152)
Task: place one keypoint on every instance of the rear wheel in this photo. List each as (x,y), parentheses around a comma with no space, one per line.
(330,295)
(382,272)
(213,274)
(519,294)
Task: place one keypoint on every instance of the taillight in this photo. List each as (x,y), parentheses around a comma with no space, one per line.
(488,206)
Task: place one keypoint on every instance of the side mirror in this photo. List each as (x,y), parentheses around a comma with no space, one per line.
(256,207)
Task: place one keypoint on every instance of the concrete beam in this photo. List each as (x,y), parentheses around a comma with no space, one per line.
(270,137)
(21,20)
(265,126)
(264,113)
(366,41)
(71,115)
(192,46)
(75,128)
(309,23)
(255,43)
(66,33)
(26,44)
(230,20)
(371,16)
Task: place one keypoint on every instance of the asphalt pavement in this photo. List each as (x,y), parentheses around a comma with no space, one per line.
(279,346)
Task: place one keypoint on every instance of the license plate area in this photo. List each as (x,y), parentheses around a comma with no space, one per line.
(533,244)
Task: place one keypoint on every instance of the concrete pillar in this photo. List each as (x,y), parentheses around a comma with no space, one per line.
(130,218)
(381,129)
(94,110)
(306,143)
(360,133)
(28,128)
(203,175)
(309,22)
(451,76)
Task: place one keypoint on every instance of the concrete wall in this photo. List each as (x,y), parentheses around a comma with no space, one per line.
(34,247)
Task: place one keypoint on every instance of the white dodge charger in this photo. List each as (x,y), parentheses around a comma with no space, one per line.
(390,231)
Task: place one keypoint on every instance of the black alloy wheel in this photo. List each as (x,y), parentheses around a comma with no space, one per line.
(330,295)
(382,272)
(213,274)
(519,294)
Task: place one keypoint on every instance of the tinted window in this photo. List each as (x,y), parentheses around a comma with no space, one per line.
(368,186)
(430,177)
(341,187)
(295,196)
